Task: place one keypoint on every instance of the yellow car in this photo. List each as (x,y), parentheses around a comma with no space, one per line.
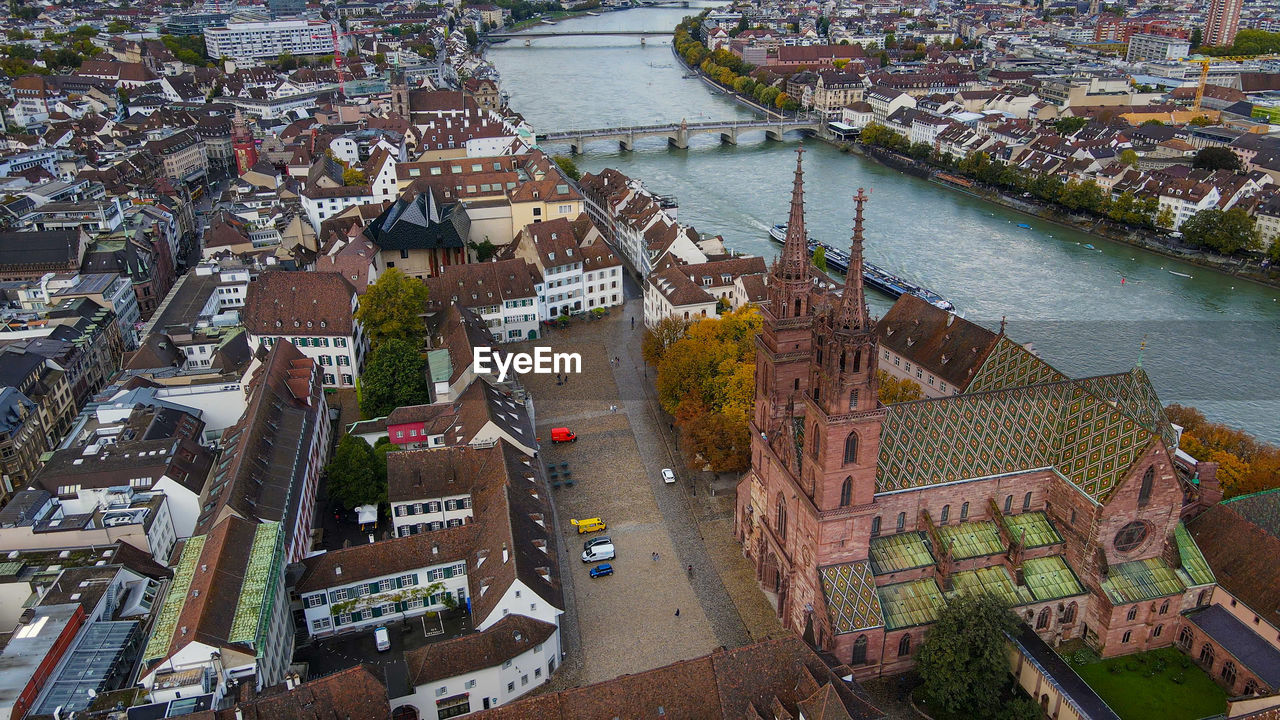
(589,525)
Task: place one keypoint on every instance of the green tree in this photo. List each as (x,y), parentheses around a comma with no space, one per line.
(568,166)
(473,40)
(118,27)
(84,32)
(288,62)
(1082,196)
(1164,218)
(1152,123)
(1197,36)
(1129,157)
(920,150)
(964,660)
(1069,125)
(1227,232)
(394,376)
(354,476)
(392,308)
(354,176)
(1217,158)
(820,258)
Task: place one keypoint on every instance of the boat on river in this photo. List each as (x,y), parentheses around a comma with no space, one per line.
(873,275)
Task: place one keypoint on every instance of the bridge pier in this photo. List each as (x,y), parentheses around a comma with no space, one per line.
(680,140)
(577,145)
(773,134)
(729,137)
(628,143)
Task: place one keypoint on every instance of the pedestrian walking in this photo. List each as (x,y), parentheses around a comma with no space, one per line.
(677,612)
(690,570)
(633,322)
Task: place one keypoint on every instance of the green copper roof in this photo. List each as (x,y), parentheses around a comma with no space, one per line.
(1010,365)
(971,539)
(1140,580)
(1032,528)
(1050,578)
(1195,570)
(850,594)
(910,603)
(257,593)
(992,581)
(900,551)
(1062,425)
(174,600)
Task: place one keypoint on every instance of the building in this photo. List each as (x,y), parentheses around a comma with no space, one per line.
(22,441)
(1221,21)
(315,311)
(695,291)
(1144,46)
(285,8)
(244,42)
(420,238)
(502,294)
(225,615)
(861,518)
(579,271)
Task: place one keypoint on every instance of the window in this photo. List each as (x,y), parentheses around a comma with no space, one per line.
(1144,493)
(1073,517)
(1008,504)
(511,687)
(537,672)
(964,512)
(875,526)
(902,521)
(1131,536)
(1133,613)
(846,492)
(1070,614)
(469,684)
(817,442)
(853,400)
(1164,607)
(1026,502)
(851,445)
(315,600)
(859,651)
(904,646)
(1156,633)
(1042,622)
(780,520)
(1184,639)
(320,624)
(1127,635)
(1206,655)
(524,680)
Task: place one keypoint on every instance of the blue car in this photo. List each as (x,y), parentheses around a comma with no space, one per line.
(601,570)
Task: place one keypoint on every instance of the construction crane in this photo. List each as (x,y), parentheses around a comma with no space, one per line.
(337,50)
(1205,62)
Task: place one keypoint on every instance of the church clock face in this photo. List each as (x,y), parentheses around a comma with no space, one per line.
(1131,536)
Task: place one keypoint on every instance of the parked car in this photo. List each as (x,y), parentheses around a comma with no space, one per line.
(381,638)
(598,553)
(562,435)
(601,570)
(668,476)
(589,525)
(599,540)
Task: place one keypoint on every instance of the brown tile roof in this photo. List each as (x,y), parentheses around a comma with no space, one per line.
(1242,555)
(676,287)
(509,637)
(946,345)
(422,474)
(299,303)
(482,284)
(387,557)
(351,694)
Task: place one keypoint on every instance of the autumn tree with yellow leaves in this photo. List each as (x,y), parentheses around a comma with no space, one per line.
(1245,464)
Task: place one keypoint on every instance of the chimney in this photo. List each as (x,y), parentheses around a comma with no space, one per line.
(337,570)
(505,554)
(239,713)
(435,548)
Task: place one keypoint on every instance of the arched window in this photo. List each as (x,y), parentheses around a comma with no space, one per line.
(1228,674)
(1144,493)
(859,651)
(816,441)
(904,646)
(853,400)
(1206,655)
(1250,687)
(1133,613)
(1070,614)
(964,511)
(780,520)
(846,492)
(405,712)
(1156,633)
(1164,607)
(1127,634)
(842,354)
(1203,598)
(1042,621)
(875,526)
(851,448)
(857,361)
(797,308)
(1026,502)
(902,521)
(946,512)
(1184,639)
(820,344)
(1008,504)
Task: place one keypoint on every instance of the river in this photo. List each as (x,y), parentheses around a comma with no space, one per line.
(1212,341)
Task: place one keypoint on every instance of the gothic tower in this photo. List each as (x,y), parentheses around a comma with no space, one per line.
(782,356)
(843,417)
(399,94)
(242,144)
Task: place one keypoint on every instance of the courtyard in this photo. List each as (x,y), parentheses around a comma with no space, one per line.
(1160,684)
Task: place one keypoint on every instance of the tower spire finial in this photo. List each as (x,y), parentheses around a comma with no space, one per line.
(795,251)
(853,313)
(1003,320)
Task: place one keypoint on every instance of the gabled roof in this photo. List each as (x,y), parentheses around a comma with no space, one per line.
(417,222)
(508,638)
(1240,540)
(353,694)
(299,303)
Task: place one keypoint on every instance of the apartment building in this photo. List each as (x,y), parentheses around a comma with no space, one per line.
(243,42)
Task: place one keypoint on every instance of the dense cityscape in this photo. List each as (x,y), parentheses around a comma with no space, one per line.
(905,360)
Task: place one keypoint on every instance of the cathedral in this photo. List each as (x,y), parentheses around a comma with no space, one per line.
(1065,497)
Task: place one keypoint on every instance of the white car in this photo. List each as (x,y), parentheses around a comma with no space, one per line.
(668,476)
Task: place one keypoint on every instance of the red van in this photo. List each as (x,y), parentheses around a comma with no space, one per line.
(560,435)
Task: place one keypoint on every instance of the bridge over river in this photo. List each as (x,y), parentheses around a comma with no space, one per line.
(678,134)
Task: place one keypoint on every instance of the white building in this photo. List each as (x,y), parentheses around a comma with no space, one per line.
(1146,46)
(502,294)
(321,203)
(248,41)
(314,311)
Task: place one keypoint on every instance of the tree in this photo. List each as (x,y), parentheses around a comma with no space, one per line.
(665,333)
(569,167)
(354,477)
(1070,125)
(392,308)
(1153,123)
(820,258)
(895,390)
(1129,157)
(288,62)
(473,40)
(1217,158)
(394,376)
(1164,218)
(1197,36)
(118,27)
(964,661)
(353,176)
(1227,232)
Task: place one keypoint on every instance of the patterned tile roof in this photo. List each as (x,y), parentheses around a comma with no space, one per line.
(851,599)
(1011,365)
(1133,395)
(1062,425)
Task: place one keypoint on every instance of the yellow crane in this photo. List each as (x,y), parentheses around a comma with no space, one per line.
(1206,61)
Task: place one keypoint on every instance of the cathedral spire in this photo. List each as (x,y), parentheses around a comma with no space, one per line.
(852,313)
(795,252)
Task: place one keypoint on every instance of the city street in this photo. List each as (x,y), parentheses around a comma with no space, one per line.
(627,622)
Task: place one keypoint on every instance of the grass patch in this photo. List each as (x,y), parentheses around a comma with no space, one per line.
(1157,685)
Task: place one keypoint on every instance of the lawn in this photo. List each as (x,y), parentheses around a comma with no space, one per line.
(1158,685)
